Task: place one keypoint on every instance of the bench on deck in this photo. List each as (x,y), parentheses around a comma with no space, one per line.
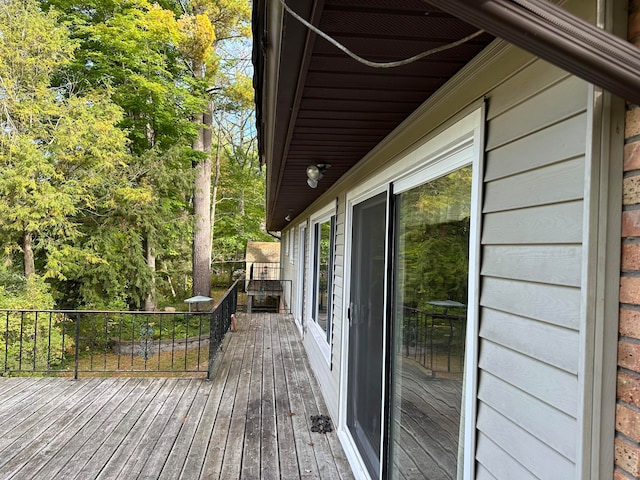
(261,289)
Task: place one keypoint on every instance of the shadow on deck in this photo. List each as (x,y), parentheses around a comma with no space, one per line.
(251,421)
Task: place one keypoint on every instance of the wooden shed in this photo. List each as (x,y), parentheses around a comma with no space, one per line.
(262,278)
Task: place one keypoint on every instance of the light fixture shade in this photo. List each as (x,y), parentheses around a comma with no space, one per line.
(313,173)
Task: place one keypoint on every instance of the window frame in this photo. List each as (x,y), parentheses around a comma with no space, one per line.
(321,337)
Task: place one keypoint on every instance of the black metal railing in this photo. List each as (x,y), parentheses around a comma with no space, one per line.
(435,338)
(221,321)
(264,271)
(72,342)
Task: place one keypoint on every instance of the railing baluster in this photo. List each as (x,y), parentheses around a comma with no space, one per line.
(92,341)
(200,338)
(6,345)
(77,340)
(106,341)
(173,340)
(21,340)
(160,340)
(35,341)
(49,344)
(119,340)
(64,336)
(133,341)
(186,338)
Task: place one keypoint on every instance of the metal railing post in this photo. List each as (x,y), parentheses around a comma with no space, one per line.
(77,341)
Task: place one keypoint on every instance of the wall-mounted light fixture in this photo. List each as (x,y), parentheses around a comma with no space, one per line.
(315,173)
(288,218)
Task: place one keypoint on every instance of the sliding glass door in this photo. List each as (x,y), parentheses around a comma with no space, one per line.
(412,296)
(366,328)
(431,271)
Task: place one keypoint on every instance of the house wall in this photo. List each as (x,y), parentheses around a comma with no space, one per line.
(531,276)
(627,442)
(326,372)
(535,346)
(289,262)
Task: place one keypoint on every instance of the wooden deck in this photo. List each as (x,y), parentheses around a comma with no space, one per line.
(251,421)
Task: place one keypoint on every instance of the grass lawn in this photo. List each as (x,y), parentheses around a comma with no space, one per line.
(175,363)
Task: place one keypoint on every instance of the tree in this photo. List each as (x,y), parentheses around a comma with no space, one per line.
(204,24)
(132,47)
(55,146)
(162,64)
(238,202)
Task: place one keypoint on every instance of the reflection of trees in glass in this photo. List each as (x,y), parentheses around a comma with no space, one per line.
(323,271)
(434,240)
(432,250)
(323,280)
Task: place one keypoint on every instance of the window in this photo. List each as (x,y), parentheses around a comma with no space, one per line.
(301,278)
(323,274)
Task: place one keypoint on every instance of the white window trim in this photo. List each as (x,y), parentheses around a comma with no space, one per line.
(319,335)
(300,274)
(291,245)
(459,144)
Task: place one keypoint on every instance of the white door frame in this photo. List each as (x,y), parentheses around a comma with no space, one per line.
(457,145)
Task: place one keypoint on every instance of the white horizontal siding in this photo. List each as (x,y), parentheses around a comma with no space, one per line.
(555,304)
(524,410)
(495,463)
(553,264)
(567,138)
(559,182)
(531,277)
(535,456)
(560,223)
(551,385)
(549,107)
(548,343)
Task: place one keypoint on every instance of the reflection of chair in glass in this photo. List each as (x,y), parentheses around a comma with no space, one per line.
(430,337)
(452,318)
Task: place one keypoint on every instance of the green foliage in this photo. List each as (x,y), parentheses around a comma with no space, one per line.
(97,100)
(29,340)
(240,210)
(434,241)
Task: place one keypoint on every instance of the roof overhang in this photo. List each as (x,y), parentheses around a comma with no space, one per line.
(316,105)
(555,35)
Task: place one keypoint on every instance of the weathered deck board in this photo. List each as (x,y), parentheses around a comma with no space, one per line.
(251,421)
(288,461)
(427,425)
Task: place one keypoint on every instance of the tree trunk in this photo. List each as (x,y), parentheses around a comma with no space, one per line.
(216,181)
(202,209)
(27,249)
(149,300)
